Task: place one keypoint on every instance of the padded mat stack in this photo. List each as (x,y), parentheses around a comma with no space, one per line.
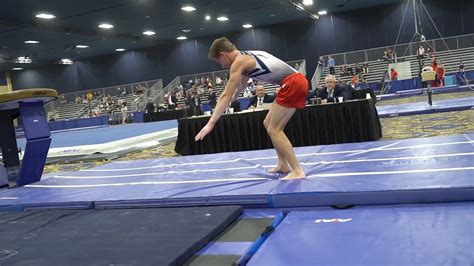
(167,236)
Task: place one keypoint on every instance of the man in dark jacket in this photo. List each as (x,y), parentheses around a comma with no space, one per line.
(332,91)
(260,97)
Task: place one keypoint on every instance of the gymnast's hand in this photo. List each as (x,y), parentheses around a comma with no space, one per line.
(204,131)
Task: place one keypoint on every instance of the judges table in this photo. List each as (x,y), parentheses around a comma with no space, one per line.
(352,121)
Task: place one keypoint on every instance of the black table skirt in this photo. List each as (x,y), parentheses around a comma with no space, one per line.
(165,115)
(353,121)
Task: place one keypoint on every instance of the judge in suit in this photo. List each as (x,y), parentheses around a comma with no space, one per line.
(332,91)
(260,97)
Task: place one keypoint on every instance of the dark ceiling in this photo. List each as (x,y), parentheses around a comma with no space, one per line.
(76,23)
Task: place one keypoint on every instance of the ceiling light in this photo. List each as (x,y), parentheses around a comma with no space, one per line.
(81,46)
(181,38)
(247,26)
(17,68)
(222,18)
(66,61)
(298,6)
(322,12)
(23,60)
(30,41)
(45,16)
(105,26)
(307,2)
(208,17)
(149,32)
(186,30)
(314,16)
(188,8)
(120,49)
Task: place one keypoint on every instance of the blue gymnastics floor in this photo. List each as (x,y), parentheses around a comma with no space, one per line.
(104,134)
(424,108)
(430,234)
(437,169)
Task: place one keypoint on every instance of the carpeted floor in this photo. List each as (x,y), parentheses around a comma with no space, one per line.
(417,126)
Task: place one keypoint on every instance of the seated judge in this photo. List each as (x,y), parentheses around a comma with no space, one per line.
(333,90)
(260,97)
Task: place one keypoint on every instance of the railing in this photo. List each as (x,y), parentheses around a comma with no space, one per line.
(406,49)
(316,77)
(112,90)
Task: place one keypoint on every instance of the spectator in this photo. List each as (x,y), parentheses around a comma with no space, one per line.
(331,65)
(421,52)
(218,80)
(297,66)
(90,96)
(212,98)
(393,74)
(439,82)
(63,99)
(385,56)
(124,91)
(366,68)
(321,65)
(150,107)
(195,103)
(260,98)
(332,91)
(172,100)
(123,110)
(461,75)
(354,81)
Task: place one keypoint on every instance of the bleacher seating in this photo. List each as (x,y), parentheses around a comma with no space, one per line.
(450,59)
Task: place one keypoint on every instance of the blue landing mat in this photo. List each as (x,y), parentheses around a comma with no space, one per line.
(424,108)
(384,172)
(431,234)
(104,134)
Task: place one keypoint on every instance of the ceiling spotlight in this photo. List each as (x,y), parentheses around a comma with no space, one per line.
(247,26)
(149,32)
(81,46)
(314,16)
(181,38)
(66,61)
(322,12)
(17,68)
(105,26)
(45,16)
(30,41)
(222,18)
(188,8)
(186,30)
(120,49)
(298,6)
(208,17)
(307,2)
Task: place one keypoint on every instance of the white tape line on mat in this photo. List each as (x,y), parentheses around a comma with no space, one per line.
(152,183)
(158,173)
(274,157)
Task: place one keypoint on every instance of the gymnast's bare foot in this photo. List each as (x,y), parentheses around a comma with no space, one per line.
(280,169)
(294,175)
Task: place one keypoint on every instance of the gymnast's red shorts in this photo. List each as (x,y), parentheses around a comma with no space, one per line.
(293,92)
